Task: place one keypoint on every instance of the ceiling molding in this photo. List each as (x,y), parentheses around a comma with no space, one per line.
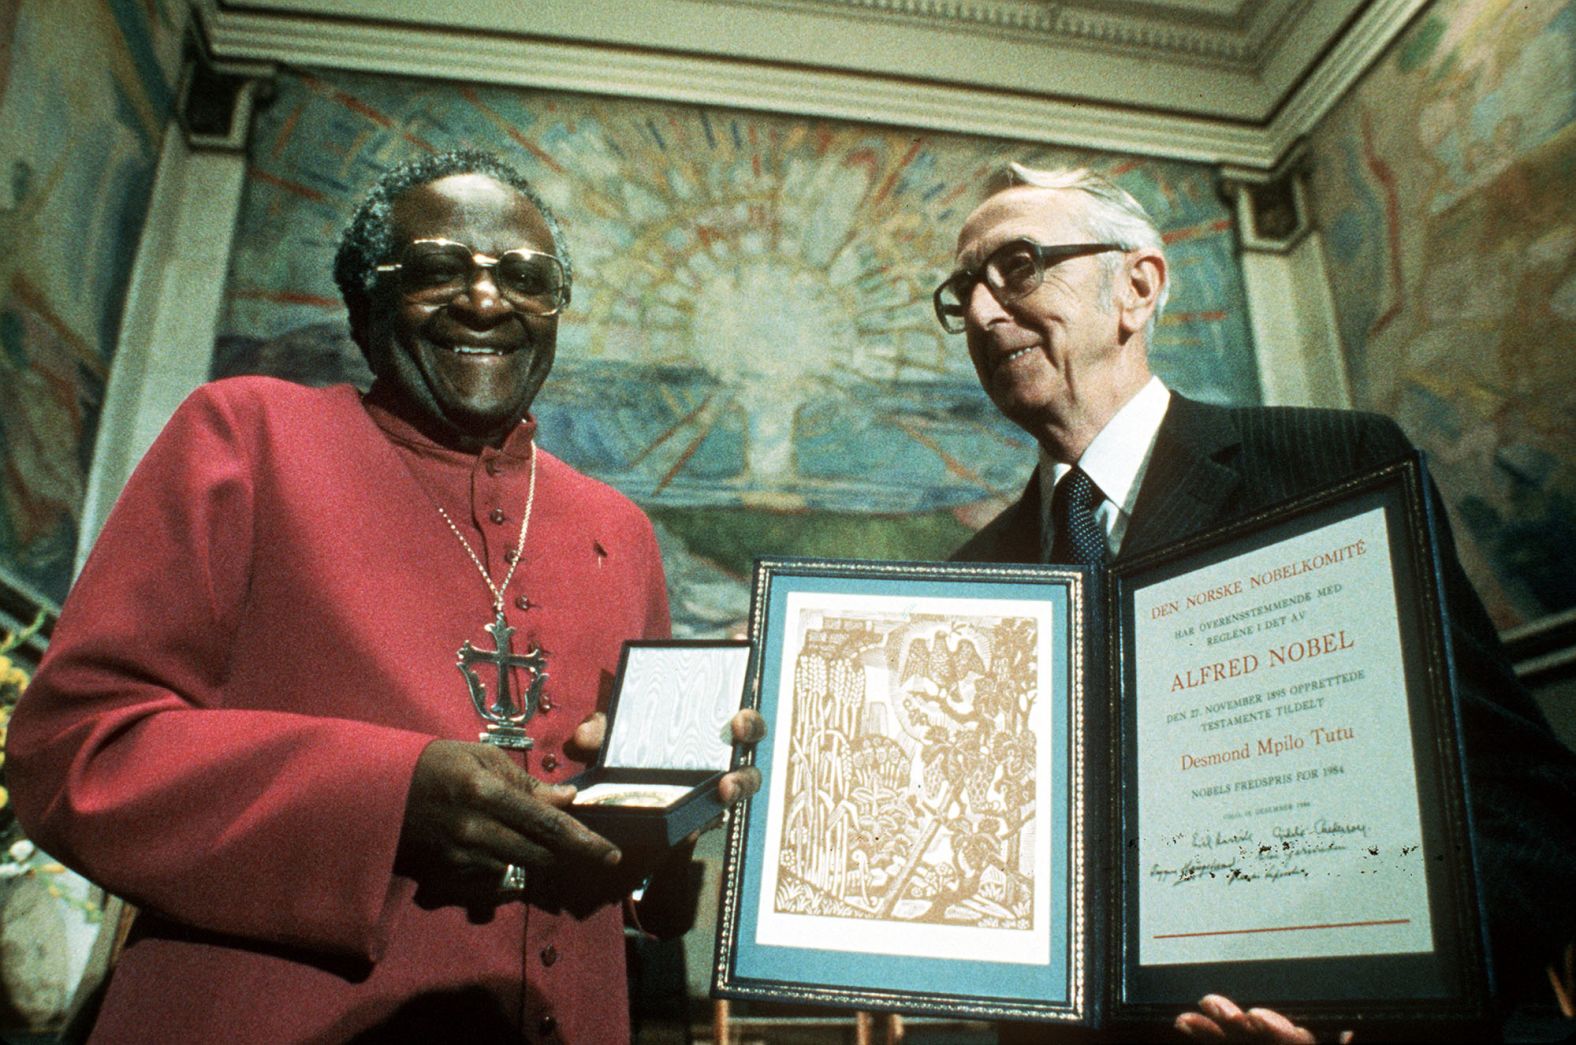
(331,41)
(1161,31)
(1363,44)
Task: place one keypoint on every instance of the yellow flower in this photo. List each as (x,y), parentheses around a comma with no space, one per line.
(5,796)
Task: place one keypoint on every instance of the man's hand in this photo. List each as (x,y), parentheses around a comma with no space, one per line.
(472,811)
(1219,1019)
(749,729)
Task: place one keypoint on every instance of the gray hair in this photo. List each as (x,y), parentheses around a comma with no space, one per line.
(369,238)
(1111,215)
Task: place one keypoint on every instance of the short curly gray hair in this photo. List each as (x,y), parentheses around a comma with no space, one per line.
(369,239)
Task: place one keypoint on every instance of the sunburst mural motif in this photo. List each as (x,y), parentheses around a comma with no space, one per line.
(751,353)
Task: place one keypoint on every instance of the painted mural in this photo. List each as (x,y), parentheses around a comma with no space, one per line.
(1443,187)
(79,141)
(751,353)
(78,145)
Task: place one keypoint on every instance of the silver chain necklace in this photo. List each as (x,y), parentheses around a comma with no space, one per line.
(519,545)
(505,718)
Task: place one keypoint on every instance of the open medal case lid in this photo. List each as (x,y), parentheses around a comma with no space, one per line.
(668,742)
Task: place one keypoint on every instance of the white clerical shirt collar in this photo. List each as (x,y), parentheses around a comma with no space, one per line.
(1116,460)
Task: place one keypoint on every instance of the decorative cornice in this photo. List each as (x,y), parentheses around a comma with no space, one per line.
(732,82)
(1363,44)
(1157,32)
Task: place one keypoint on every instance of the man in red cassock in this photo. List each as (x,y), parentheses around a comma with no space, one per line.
(249,721)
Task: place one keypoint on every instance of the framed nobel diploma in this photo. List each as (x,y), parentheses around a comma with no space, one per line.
(1292,829)
(669,742)
(1025,792)
(923,839)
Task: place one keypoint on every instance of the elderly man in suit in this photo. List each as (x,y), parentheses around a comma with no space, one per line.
(1060,278)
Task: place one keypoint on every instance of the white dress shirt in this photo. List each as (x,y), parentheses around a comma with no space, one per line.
(1116,460)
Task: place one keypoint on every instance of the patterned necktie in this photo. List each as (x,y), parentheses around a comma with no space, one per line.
(1079,538)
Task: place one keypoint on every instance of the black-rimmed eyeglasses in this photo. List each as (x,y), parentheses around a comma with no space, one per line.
(1012,271)
(436,270)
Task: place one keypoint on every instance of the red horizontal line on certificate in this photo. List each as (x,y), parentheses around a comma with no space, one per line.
(1282,929)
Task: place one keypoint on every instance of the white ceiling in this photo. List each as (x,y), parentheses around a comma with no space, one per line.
(1230,81)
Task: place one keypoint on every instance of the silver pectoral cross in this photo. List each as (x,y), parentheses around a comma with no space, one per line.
(504,719)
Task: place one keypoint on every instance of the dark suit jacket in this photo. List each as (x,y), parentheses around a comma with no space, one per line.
(1213,465)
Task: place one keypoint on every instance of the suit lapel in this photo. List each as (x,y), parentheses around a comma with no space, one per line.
(1013,536)
(1018,538)
(1189,480)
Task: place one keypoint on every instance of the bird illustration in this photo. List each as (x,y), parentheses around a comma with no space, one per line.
(943,664)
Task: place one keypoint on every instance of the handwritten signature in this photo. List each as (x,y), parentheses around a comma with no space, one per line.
(1292,850)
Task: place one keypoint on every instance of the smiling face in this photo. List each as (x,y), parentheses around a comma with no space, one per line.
(469,366)
(1061,360)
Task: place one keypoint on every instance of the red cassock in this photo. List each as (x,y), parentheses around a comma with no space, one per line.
(225,726)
